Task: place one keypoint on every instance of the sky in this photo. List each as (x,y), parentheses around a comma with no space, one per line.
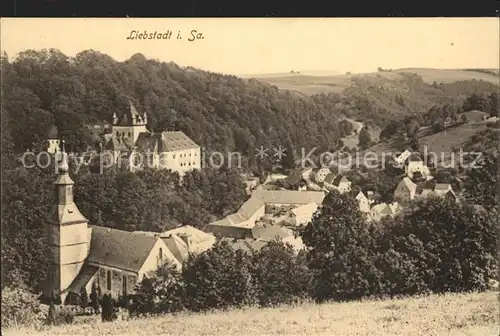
(270,45)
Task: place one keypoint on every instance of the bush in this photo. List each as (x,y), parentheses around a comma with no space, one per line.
(442,247)
(163,293)
(84,298)
(342,251)
(59,316)
(108,309)
(21,308)
(281,277)
(94,299)
(219,278)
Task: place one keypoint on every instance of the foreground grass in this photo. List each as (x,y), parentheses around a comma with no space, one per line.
(452,314)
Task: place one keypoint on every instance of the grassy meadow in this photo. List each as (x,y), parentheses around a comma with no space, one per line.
(315,84)
(450,314)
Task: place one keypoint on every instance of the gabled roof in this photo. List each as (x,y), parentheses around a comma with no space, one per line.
(442,186)
(86,274)
(119,249)
(118,144)
(415,157)
(270,233)
(361,195)
(192,233)
(329,178)
(293,179)
(340,179)
(177,246)
(164,142)
(408,183)
(246,245)
(260,198)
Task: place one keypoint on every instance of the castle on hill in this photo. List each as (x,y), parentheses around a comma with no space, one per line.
(131,142)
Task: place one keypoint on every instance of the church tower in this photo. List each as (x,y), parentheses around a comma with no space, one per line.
(69,236)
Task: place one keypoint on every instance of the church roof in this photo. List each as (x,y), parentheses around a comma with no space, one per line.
(119,249)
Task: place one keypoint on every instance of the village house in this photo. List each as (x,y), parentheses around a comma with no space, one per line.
(339,183)
(306,173)
(321,174)
(294,182)
(379,211)
(405,191)
(414,165)
(364,202)
(443,190)
(401,158)
(132,144)
(262,238)
(300,205)
(184,240)
(84,255)
(251,182)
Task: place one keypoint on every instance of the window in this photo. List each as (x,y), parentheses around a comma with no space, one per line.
(129,134)
(108,280)
(173,156)
(124,284)
(160,256)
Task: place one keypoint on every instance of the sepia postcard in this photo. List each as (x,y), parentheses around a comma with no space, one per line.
(250,177)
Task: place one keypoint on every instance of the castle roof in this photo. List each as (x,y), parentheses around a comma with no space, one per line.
(119,249)
(164,142)
(131,114)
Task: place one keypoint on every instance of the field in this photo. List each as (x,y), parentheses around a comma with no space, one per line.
(309,84)
(451,314)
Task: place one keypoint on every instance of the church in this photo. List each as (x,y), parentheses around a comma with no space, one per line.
(132,143)
(84,255)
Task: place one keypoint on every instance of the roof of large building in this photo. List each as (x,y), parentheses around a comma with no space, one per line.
(260,198)
(119,249)
(164,142)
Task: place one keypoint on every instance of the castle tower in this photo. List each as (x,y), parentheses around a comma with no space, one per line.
(130,124)
(69,237)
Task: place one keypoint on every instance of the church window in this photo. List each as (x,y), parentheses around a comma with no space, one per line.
(108,280)
(160,256)
(124,283)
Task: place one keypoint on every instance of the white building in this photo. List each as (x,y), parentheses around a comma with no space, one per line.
(131,141)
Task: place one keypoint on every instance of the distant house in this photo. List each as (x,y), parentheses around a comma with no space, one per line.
(328,181)
(321,174)
(382,210)
(364,202)
(251,183)
(239,224)
(405,191)
(414,165)
(401,158)
(341,184)
(133,145)
(294,182)
(440,190)
(307,173)
(262,236)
